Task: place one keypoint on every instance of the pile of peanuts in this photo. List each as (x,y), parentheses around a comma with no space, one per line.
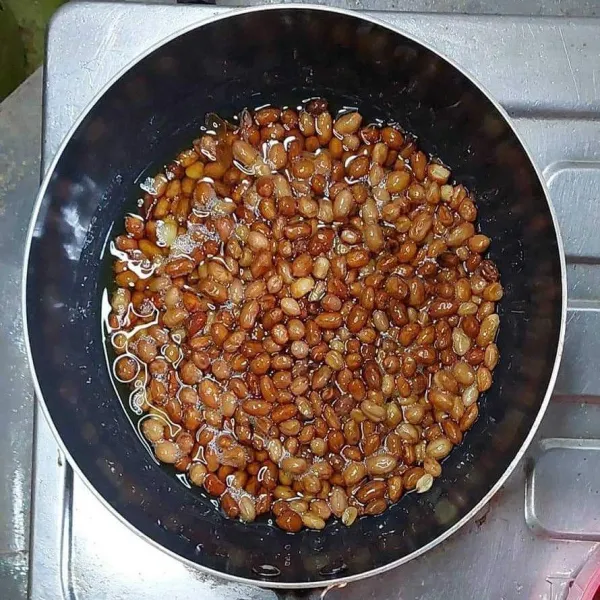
(305,314)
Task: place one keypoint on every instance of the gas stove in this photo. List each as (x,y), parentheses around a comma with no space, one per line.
(537,533)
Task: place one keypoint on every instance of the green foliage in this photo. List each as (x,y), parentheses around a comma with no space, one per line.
(32,17)
(12,53)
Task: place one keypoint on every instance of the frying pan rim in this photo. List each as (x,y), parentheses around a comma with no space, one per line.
(561,337)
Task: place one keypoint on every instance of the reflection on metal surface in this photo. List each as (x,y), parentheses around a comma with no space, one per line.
(496,555)
(564,503)
(559,586)
(19,177)
(329,590)
(580,182)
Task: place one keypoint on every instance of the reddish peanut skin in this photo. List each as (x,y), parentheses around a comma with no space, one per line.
(289,521)
(319,317)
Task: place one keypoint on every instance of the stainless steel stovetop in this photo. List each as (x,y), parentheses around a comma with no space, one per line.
(537,532)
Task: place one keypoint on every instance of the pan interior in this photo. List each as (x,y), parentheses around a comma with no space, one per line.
(281,57)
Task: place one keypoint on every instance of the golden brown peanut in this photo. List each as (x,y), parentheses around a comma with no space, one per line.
(488,330)
(349,516)
(247,509)
(371,490)
(329,320)
(257,408)
(153,429)
(411,477)
(290,307)
(289,521)
(302,286)
(439,448)
(463,373)
(338,501)
(313,521)
(373,237)
(479,243)
(245,153)
(491,357)
(460,234)
(470,416)
(343,204)
(397,181)
(348,123)
(167,452)
(354,472)
(294,465)
(380,464)
(373,411)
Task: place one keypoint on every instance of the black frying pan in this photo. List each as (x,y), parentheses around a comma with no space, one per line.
(282,55)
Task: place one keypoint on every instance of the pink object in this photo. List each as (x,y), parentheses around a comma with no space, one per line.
(587,584)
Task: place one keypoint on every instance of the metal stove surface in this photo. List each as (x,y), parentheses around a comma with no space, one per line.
(536,533)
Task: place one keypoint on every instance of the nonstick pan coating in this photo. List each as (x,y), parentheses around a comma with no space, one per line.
(282,55)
